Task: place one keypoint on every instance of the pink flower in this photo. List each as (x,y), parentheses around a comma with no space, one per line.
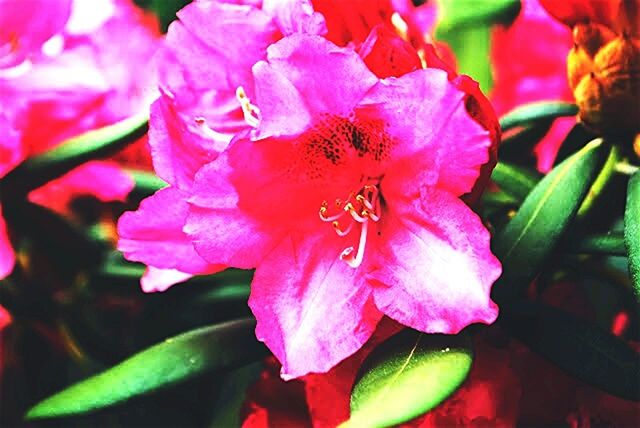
(65,68)
(346,201)
(326,141)
(535,73)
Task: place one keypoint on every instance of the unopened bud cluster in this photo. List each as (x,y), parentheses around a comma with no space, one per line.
(604,74)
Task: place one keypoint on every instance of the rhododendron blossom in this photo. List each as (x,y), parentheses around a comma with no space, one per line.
(65,69)
(345,199)
(341,189)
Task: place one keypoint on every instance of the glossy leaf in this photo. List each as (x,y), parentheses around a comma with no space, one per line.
(600,185)
(577,347)
(518,144)
(632,230)
(538,111)
(407,376)
(610,244)
(516,181)
(95,144)
(176,359)
(526,241)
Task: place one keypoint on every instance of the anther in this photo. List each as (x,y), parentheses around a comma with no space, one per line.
(251,112)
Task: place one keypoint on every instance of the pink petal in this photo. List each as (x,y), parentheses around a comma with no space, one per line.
(387,54)
(221,231)
(26,25)
(181,145)
(282,109)
(433,269)
(7,256)
(104,180)
(220,56)
(547,149)
(436,142)
(155,279)
(313,310)
(302,59)
(153,234)
(295,16)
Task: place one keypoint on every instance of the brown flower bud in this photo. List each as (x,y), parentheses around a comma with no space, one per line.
(606,85)
(591,37)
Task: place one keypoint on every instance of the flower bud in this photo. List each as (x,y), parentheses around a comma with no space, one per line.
(604,73)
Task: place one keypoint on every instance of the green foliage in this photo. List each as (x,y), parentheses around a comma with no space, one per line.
(95,144)
(177,359)
(515,181)
(528,239)
(407,376)
(575,346)
(536,112)
(632,230)
(466,28)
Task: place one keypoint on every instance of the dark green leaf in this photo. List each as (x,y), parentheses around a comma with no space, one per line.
(526,241)
(95,144)
(182,357)
(601,182)
(457,14)
(518,144)
(632,230)
(577,347)
(538,111)
(516,181)
(407,376)
(576,139)
(227,410)
(166,10)
(610,244)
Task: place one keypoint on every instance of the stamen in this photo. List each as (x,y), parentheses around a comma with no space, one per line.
(347,255)
(324,217)
(402,28)
(357,217)
(250,111)
(362,207)
(341,232)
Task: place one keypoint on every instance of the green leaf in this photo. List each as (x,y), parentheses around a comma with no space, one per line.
(457,14)
(577,347)
(95,144)
(146,183)
(610,244)
(601,183)
(227,409)
(407,376)
(471,45)
(182,357)
(518,144)
(515,181)
(538,111)
(527,240)
(632,230)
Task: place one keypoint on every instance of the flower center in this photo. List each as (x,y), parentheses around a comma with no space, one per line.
(357,210)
